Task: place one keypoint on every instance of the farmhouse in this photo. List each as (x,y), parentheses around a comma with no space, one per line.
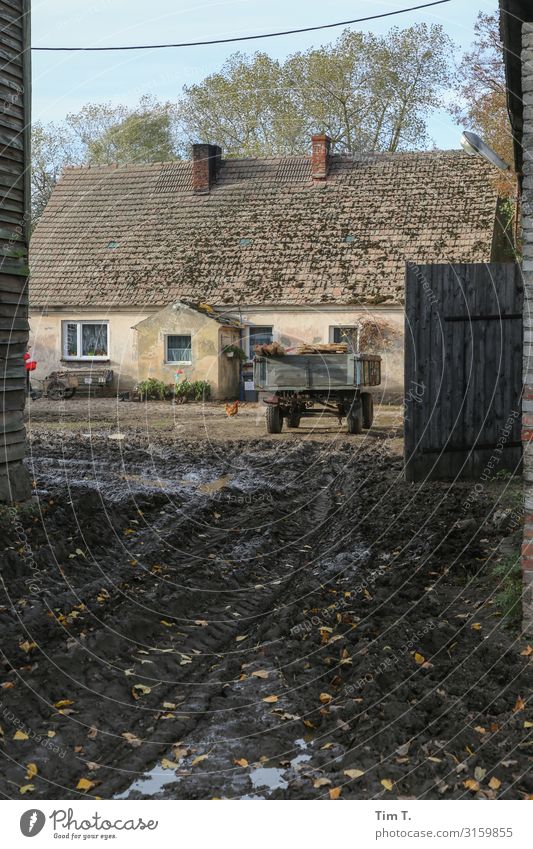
(302,248)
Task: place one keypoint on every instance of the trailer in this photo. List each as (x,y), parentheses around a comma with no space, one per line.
(297,386)
(65,383)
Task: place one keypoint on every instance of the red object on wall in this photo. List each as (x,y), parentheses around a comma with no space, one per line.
(31,365)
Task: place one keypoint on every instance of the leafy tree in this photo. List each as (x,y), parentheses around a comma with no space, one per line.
(367,92)
(53,148)
(244,108)
(145,135)
(482,89)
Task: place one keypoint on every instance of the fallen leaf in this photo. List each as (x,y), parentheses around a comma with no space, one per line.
(85,784)
(270,699)
(470,784)
(325,698)
(241,638)
(387,783)
(495,783)
(180,752)
(519,705)
(202,622)
(321,782)
(20,735)
(354,773)
(51,733)
(480,729)
(199,759)
(335,792)
(260,673)
(26,788)
(31,771)
(327,746)
(26,646)
(63,703)
(479,773)
(169,705)
(527,651)
(241,762)
(166,764)
(528,724)
(476,626)
(420,659)
(132,739)
(139,690)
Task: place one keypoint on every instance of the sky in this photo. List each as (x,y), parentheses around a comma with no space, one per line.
(63,83)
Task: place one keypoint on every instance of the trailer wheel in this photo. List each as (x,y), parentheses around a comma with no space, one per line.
(354,419)
(293,420)
(274,419)
(368,409)
(58,390)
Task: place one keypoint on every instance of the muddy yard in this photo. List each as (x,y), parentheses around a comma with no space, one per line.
(192,609)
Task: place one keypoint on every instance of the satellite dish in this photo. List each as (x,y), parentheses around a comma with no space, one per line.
(475,146)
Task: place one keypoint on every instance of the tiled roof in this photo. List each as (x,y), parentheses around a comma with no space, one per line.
(265,234)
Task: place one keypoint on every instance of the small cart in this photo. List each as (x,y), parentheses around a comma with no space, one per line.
(65,383)
(304,385)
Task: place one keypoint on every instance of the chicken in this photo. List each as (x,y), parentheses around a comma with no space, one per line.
(232,409)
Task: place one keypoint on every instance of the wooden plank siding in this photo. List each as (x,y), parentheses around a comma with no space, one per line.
(14,231)
(463,370)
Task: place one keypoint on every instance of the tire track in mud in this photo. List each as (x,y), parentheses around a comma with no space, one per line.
(248,593)
(160,563)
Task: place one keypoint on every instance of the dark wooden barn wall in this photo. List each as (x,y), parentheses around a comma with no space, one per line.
(14,226)
(463,370)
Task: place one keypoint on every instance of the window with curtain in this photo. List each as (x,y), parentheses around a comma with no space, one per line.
(85,340)
(179,349)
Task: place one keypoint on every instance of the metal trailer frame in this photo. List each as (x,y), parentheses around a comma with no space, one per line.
(305,385)
(63,384)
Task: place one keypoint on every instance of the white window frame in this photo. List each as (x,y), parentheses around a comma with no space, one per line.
(335,327)
(168,362)
(79,322)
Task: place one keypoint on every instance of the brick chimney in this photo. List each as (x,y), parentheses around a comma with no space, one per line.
(320,158)
(205,166)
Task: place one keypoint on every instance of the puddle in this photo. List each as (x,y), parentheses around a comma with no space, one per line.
(269,777)
(151,782)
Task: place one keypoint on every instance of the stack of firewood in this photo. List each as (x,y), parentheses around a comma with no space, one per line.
(333,348)
(273,349)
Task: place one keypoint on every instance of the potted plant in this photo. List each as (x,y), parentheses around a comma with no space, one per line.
(234,351)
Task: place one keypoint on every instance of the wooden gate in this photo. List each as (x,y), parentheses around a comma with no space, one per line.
(14,228)
(463,370)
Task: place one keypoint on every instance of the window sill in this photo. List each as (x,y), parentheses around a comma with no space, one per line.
(85,360)
(178,363)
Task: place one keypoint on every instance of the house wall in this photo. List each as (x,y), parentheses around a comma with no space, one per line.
(382,332)
(207,337)
(527,404)
(46,342)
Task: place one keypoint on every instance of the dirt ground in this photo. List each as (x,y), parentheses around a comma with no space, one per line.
(193,609)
